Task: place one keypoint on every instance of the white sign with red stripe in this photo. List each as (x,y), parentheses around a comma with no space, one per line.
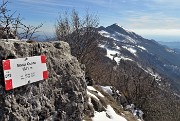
(22,71)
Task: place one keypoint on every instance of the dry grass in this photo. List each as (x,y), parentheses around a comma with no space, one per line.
(109,100)
(87,118)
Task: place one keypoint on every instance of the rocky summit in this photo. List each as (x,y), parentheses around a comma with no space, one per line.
(61,97)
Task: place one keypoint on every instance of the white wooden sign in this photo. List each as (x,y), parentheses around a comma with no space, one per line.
(22,71)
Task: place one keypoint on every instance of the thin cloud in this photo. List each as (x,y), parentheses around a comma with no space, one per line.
(142,15)
(97,2)
(46,7)
(154,22)
(158,32)
(46,2)
(166,1)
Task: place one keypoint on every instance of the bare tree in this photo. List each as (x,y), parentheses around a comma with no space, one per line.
(6,19)
(16,26)
(29,31)
(80,33)
(63,26)
(12,27)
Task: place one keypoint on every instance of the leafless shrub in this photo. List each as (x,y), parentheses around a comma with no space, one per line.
(12,26)
(80,33)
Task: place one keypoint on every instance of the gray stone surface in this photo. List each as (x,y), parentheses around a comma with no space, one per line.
(62,97)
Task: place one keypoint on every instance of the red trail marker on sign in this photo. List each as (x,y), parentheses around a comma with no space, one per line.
(22,71)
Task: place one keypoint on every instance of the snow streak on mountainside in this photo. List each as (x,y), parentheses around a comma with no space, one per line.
(115,54)
(119,35)
(122,44)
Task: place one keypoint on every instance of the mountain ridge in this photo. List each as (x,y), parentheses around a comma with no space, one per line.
(150,53)
(172,45)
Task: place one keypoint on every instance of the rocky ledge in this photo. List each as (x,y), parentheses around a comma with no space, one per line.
(62,97)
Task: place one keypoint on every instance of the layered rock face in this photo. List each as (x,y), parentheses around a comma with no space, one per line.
(62,97)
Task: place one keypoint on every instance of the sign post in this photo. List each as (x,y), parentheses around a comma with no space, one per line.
(22,71)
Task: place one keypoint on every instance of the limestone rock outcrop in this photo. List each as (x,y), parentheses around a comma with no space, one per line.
(62,97)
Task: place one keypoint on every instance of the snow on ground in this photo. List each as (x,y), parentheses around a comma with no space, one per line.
(125,58)
(110,54)
(140,114)
(92,95)
(108,35)
(102,46)
(102,32)
(107,89)
(127,38)
(93,89)
(141,47)
(89,102)
(156,75)
(117,35)
(135,111)
(151,72)
(108,115)
(117,47)
(127,30)
(131,40)
(170,50)
(130,49)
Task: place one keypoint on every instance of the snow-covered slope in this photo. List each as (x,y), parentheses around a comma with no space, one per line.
(108,115)
(122,44)
(104,107)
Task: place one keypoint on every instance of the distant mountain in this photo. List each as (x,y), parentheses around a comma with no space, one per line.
(172,45)
(122,44)
(177,50)
(142,70)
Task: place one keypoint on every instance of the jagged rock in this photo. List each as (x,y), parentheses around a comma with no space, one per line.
(89,81)
(62,97)
(97,105)
(120,98)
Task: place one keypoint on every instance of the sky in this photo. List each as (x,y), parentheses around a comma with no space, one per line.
(152,19)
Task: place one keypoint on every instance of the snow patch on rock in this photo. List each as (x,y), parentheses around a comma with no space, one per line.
(141,47)
(92,95)
(108,35)
(110,54)
(108,115)
(107,89)
(93,89)
(130,49)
